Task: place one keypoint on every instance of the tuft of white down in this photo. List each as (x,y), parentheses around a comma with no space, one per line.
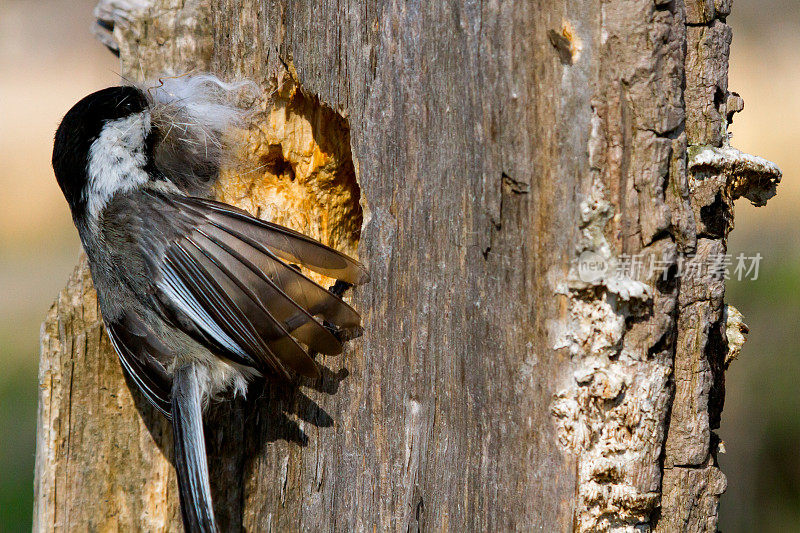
(192,115)
(116,160)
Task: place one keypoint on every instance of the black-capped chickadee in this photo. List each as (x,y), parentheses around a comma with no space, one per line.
(197,296)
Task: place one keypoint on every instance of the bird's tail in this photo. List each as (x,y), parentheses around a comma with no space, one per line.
(190,450)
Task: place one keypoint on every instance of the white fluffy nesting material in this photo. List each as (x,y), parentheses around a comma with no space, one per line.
(193,115)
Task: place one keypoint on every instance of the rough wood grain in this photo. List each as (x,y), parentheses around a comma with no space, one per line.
(692,481)
(469,153)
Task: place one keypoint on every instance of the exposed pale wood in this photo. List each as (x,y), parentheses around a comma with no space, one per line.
(468,153)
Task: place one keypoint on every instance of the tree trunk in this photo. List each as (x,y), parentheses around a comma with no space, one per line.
(498,166)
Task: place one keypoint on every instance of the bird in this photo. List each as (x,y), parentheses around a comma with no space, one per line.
(198,297)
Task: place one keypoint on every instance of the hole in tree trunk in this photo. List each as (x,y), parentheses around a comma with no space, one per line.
(296,169)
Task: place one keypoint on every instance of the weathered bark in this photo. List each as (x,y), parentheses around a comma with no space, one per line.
(468,153)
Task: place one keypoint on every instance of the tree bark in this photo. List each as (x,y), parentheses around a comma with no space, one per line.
(477,157)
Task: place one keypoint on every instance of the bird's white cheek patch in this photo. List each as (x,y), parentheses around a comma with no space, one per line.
(116,160)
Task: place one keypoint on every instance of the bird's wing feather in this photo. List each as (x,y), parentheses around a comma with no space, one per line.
(138,349)
(216,305)
(305,293)
(283,242)
(265,293)
(220,281)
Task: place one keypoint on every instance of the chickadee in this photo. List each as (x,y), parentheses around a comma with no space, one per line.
(198,297)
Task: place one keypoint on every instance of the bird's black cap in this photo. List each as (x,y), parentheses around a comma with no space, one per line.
(80,127)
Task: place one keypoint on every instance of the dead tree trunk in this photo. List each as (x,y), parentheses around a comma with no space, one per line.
(470,154)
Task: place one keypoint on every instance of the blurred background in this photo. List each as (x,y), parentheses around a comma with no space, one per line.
(49,60)
(761,420)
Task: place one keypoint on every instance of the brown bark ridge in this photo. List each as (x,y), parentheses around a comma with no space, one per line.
(483,159)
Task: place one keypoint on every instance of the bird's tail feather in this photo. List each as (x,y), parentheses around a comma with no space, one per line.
(190,450)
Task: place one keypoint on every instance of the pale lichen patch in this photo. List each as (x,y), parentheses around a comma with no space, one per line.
(745,175)
(736,332)
(608,414)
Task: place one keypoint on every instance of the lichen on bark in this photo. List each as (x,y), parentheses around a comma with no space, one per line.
(648,378)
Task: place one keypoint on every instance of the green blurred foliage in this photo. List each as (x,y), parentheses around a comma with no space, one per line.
(760,424)
(17,444)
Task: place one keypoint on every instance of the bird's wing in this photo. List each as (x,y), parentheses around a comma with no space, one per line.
(284,243)
(223,279)
(139,351)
